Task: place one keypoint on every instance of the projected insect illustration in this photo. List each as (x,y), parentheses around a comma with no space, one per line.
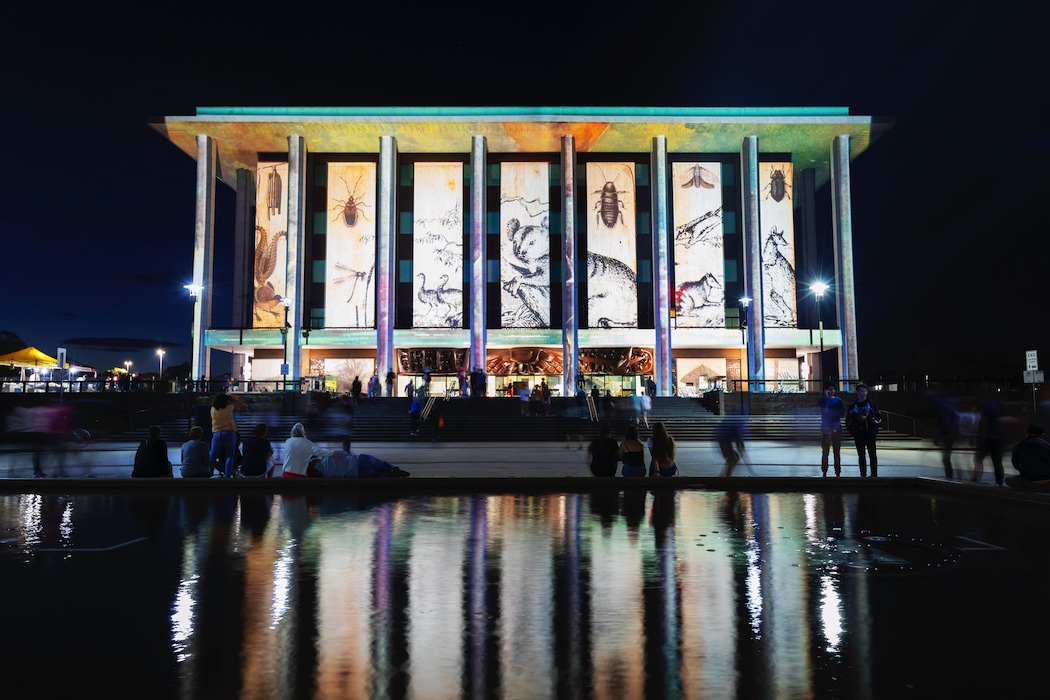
(609,205)
(351,208)
(701,177)
(778,186)
(266,298)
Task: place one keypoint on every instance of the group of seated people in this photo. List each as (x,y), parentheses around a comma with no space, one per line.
(606,454)
(302,458)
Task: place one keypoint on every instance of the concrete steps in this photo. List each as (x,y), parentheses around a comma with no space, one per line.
(500,419)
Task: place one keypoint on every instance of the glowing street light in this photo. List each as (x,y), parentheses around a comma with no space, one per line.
(127,367)
(818,289)
(160,354)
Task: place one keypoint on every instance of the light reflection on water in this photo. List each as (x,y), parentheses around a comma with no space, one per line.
(609,594)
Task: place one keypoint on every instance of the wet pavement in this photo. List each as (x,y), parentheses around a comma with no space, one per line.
(900,458)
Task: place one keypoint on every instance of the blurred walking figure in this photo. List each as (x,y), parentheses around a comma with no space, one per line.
(990,440)
(730,437)
(831,412)
(862,421)
(947,428)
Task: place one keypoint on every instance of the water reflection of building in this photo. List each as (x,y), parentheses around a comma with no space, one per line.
(399,238)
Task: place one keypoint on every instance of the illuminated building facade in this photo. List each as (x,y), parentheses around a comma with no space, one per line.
(556,243)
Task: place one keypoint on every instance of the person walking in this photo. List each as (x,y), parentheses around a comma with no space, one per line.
(390,378)
(831,412)
(863,420)
(355,390)
(990,440)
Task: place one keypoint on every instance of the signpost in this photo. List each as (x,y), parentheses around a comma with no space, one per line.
(1032,374)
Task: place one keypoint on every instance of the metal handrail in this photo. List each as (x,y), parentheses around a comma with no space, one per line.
(900,416)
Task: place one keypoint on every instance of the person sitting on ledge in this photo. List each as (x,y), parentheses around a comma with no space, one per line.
(1031,457)
(341,464)
(195,455)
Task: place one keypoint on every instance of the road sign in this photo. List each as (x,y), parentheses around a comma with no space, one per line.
(1031,359)
(1033,376)
(284,369)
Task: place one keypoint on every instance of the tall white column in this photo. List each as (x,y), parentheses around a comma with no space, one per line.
(203,251)
(842,221)
(756,326)
(478,253)
(386,272)
(570,322)
(296,239)
(661,267)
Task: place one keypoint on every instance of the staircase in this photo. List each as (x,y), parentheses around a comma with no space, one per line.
(500,419)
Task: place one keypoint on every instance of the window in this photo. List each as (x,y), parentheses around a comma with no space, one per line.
(404,270)
(320,222)
(319,271)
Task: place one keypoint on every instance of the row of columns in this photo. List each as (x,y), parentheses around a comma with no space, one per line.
(386,223)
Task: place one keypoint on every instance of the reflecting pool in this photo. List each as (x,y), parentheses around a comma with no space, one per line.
(624,593)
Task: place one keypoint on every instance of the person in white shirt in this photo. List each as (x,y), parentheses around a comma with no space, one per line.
(298,451)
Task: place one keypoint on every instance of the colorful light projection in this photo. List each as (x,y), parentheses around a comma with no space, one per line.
(271,244)
(525,250)
(612,299)
(778,245)
(438,246)
(350,288)
(699,257)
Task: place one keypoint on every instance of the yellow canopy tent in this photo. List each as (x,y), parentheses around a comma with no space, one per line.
(28,357)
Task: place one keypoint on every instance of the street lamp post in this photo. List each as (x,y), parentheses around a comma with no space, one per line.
(195,291)
(745,302)
(127,372)
(285,302)
(160,354)
(818,288)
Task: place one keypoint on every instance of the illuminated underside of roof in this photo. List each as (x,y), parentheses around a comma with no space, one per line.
(241,133)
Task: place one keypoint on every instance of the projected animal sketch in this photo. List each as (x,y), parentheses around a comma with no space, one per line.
(527,252)
(702,299)
(612,293)
(778,280)
(267,300)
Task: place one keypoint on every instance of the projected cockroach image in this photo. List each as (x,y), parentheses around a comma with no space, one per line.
(609,205)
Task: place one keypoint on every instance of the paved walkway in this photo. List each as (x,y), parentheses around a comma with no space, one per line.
(533,459)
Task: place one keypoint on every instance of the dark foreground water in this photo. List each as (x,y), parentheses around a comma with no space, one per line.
(618,594)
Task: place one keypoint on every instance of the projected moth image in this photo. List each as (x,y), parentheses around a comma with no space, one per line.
(699,257)
(778,245)
(351,246)
(271,245)
(525,249)
(612,300)
(438,246)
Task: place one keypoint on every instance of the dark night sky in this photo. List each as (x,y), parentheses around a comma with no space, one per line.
(96,208)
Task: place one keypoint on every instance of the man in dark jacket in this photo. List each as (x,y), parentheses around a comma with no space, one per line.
(862,421)
(151,458)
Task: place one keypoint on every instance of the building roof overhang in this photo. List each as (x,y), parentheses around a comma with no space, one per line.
(242,133)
